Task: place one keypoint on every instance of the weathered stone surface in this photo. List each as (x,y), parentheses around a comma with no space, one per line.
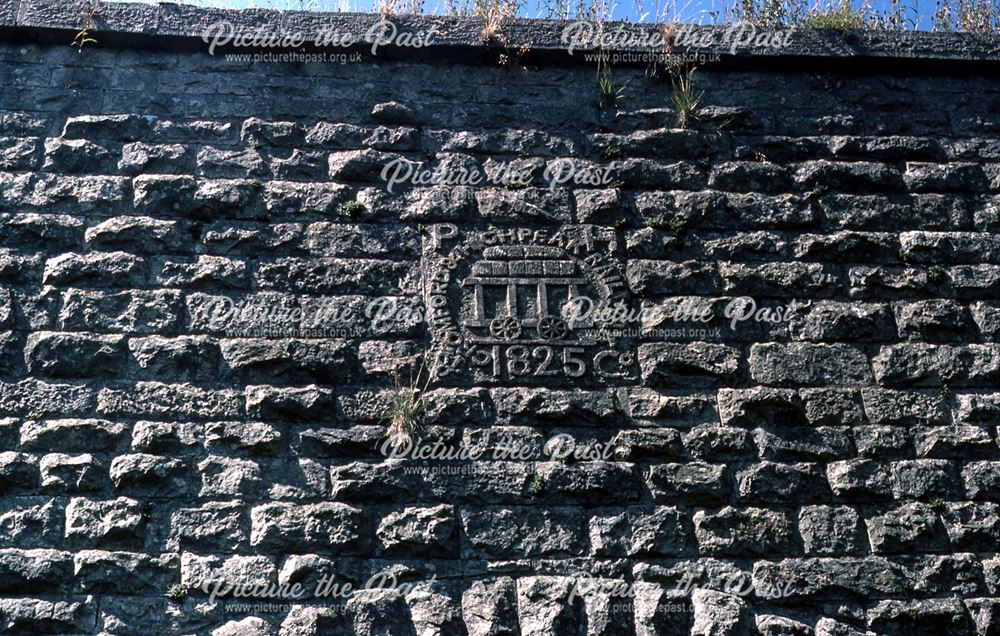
(700,365)
(770,482)
(883,442)
(504,533)
(193,386)
(37,571)
(251,626)
(229,477)
(18,471)
(125,312)
(904,617)
(935,320)
(96,269)
(305,403)
(770,625)
(72,435)
(751,531)
(200,573)
(118,572)
(971,526)
(75,155)
(717,614)
(165,437)
(826,578)
(288,360)
(31,522)
(419,532)
(327,527)
(933,365)
(530,407)
(544,605)
(67,355)
(830,531)
(39,616)
(859,479)
(850,322)
(662,531)
(808,364)
(375,612)
(885,406)
(696,483)
(955,442)
(924,478)
(170,401)
(94,524)
(149,475)
(588,482)
(138,233)
(760,407)
(72,473)
(984,615)
(214,526)
(489,608)
(981,479)
(711,443)
(910,528)
(797,444)
(138,157)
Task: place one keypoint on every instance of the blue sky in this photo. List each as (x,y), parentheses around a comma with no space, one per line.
(697,11)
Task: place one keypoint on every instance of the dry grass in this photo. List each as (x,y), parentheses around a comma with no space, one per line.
(406,400)
(89,11)
(972,16)
(683,97)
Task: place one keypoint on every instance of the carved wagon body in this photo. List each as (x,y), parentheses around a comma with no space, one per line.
(519,290)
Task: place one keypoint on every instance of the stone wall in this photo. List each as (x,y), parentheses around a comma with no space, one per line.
(795,435)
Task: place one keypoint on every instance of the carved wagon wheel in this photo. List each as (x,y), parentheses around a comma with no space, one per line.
(505,327)
(552,328)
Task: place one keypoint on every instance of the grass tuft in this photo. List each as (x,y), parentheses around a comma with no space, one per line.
(536,487)
(683,97)
(840,18)
(176,593)
(611,91)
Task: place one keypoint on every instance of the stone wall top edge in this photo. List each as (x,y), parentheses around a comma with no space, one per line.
(185,27)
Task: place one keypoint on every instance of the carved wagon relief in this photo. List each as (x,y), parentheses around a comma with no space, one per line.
(497,305)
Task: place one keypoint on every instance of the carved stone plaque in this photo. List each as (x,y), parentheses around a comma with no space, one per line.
(520,305)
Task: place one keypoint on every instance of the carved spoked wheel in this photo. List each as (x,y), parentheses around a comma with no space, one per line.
(552,328)
(505,327)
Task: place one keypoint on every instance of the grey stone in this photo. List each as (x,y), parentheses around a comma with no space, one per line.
(698,365)
(924,478)
(113,522)
(662,531)
(860,479)
(745,531)
(70,355)
(149,475)
(770,482)
(325,527)
(910,528)
(830,531)
(420,532)
(717,614)
(695,483)
(489,608)
(98,571)
(376,612)
(72,473)
(506,532)
(942,616)
(808,364)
